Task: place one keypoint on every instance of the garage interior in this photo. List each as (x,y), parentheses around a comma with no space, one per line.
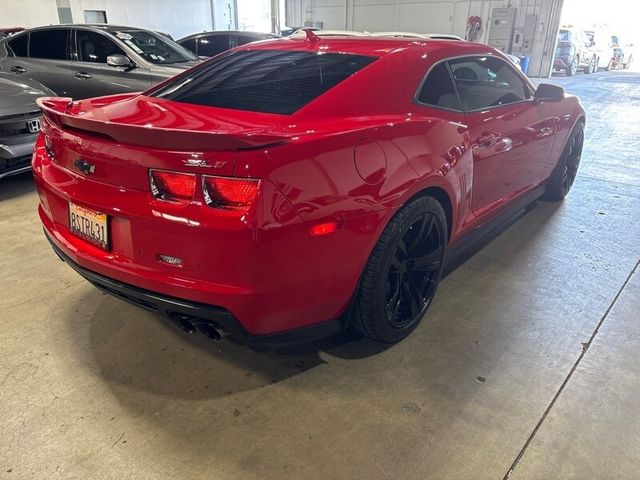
(527,365)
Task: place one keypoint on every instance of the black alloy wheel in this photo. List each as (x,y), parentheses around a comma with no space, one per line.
(403,272)
(413,273)
(572,162)
(565,173)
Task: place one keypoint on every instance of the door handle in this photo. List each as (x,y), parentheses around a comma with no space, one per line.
(18,69)
(487,139)
(83,75)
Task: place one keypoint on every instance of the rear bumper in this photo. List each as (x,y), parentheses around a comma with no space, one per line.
(561,62)
(172,306)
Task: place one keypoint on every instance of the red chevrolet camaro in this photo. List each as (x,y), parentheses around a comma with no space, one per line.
(290,189)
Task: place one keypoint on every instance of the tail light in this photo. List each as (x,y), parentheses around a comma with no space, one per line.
(172,186)
(235,194)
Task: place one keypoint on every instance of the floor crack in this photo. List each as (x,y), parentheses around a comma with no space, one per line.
(585,349)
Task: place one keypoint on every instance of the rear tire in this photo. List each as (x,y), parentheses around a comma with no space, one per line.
(565,172)
(402,275)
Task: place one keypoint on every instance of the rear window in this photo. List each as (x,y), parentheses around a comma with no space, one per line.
(267,81)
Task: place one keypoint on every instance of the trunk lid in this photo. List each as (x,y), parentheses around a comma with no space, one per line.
(117,139)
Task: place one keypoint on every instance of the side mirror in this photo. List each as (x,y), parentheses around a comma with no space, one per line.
(547,92)
(119,60)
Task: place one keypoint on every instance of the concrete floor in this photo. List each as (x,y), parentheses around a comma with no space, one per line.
(528,362)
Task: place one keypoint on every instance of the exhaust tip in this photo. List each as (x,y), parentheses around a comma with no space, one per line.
(184,323)
(211,331)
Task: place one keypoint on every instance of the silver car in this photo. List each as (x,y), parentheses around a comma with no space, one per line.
(82,61)
(19,122)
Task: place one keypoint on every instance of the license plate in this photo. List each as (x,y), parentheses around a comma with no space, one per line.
(89,225)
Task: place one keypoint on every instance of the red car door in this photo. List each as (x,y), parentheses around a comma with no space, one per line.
(511,134)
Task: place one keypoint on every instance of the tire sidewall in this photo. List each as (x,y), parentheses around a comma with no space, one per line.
(371,304)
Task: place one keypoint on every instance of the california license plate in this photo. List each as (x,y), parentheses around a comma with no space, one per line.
(89,225)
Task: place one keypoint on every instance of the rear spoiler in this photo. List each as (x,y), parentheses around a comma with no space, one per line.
(57,111)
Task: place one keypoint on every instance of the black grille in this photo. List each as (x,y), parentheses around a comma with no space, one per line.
(16,124)
(12,164)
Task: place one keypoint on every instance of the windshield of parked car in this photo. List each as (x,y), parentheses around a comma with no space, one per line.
(564,36)
(268,81)
(154,48)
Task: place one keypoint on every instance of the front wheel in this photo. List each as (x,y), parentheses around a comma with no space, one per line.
(565,172)
(402,275)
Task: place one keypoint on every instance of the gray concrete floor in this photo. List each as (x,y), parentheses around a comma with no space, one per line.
(527,363)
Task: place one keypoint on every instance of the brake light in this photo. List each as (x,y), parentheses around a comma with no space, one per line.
(236,194)
(172,186)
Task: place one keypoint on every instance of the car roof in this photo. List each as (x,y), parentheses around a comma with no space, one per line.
(230,32)
(375,46)
(89,26)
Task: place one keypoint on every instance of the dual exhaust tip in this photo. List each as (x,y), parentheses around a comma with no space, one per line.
(191,325)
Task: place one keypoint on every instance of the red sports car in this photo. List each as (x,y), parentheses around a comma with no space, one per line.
(290,189)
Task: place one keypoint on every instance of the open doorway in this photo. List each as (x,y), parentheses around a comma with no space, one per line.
(264,16)
(597,36)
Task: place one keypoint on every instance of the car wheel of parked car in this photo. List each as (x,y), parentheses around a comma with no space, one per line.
(590,68)
(565,172)
(403,272)
(573,68)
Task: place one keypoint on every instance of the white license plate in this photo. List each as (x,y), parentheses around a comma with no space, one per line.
(89,225)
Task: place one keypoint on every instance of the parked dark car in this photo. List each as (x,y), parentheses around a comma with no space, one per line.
(573,52)
(209,44)
(19,122)
(83,61)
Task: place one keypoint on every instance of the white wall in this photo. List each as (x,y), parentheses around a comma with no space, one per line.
(177,17)
(27,13)
(431,16)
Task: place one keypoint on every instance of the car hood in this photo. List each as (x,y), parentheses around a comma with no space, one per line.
(19,94)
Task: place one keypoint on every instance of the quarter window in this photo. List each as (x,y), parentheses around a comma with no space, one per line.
(484,82)
(438,89)
(49,44)
(94,47)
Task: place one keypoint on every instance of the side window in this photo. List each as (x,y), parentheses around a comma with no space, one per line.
(94,47)
(244,39)
(213,45)
(485,82)
(49,44)
(190,45)
(18,46)
(438,89)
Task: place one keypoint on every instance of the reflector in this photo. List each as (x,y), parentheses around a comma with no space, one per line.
(324,228)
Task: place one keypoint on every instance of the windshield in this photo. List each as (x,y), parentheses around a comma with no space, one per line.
(154,48)
(564,36)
